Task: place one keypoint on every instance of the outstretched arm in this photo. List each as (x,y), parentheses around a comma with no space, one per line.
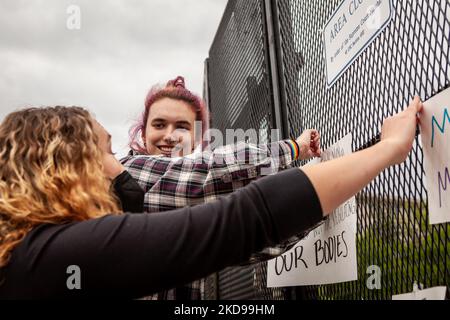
(338,180)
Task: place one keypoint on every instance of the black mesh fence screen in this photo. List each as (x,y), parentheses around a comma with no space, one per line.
(241,98)
(411,56)
(239,83)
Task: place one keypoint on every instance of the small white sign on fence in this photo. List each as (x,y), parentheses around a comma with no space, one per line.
(436,293)
(351,29)
(435,133)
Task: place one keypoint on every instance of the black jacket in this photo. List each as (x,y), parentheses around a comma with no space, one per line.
(133,255)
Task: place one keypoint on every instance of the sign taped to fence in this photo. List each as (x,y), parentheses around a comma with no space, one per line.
(351,29)
(436,293)
(328,253)
(435,133)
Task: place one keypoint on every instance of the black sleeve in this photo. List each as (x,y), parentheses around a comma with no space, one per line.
(139,254)
(129,192)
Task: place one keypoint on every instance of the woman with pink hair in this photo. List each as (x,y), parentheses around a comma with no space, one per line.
(168,123)
(174,123)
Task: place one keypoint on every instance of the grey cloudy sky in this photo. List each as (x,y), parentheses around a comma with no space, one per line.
(122,48)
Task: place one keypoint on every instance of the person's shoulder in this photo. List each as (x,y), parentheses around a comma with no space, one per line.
(134,159)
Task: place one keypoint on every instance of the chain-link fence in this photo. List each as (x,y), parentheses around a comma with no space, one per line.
(266,70)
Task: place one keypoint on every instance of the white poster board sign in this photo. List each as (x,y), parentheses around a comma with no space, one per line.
(437,293)
(352,28)
(328,253)
(435,134)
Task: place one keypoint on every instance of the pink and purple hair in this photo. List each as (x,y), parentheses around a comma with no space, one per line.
(174,89)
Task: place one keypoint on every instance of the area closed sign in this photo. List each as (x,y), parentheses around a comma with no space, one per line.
(351,29)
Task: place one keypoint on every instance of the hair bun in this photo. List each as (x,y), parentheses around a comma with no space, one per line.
(177,82)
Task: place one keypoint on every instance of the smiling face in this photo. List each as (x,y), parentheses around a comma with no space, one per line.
(170,128)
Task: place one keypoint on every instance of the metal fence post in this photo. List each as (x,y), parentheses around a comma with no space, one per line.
(274,52)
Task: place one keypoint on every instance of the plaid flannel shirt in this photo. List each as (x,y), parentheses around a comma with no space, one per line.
(172,183)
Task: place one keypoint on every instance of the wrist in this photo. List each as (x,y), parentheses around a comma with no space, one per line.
(303,151)
(385,151)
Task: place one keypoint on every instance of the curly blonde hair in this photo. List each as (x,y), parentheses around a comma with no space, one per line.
(51,171)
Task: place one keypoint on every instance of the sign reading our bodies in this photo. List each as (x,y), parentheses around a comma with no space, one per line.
(352,28)
(328,253)
(435,128)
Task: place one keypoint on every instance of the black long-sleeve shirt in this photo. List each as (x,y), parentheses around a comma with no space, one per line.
(133,255)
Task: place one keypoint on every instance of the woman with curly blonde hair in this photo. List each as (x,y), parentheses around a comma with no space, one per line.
(51,171)
(57,213)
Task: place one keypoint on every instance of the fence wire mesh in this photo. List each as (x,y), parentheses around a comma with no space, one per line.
(411,56)
(239,83)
